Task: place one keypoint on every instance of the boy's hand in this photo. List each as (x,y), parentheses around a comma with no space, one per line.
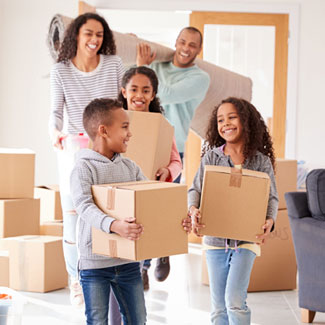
(267,229)
(163,174)
(127,228)
(144,55)
(187,224)
(195,214)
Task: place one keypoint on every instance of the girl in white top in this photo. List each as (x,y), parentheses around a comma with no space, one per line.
(87,68)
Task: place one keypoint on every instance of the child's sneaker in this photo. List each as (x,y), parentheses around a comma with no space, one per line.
(145,279)
(76,294)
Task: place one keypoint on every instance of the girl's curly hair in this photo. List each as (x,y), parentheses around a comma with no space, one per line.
(255,132)
(68,49)
(154,106)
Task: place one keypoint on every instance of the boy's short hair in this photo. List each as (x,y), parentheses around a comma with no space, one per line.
(98,112)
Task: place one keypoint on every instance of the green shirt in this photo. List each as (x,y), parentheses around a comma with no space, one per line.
(181,90)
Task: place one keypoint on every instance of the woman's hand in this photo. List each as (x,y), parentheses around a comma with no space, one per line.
(57,138)
(195,215)
(267,229)
(144,54)
(163,174)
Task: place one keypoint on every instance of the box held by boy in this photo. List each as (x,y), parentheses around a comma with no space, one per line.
(160,207)
(17,169)
(36,263)
(19,217)
(50,202)
(234,202)
(151,142)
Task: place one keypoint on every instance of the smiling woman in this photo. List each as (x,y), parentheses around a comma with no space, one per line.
(86,68)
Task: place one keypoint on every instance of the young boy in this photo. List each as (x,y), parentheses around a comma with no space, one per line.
(107,124)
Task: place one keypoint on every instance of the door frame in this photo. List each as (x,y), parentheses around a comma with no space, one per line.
(199,19)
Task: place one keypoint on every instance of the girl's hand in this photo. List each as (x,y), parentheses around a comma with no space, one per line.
(127,228)
(57,138)
(267,229)
(195,214)
(163,174)
(144,54)
(187,224)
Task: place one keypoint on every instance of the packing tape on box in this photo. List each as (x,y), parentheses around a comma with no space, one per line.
(112,248)
(223,83)
(235,177)
(111,198)
(23,262)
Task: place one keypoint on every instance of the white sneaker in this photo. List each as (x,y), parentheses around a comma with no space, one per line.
(76,294)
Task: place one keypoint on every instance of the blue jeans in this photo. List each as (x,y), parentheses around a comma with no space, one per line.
(125,280)
(229,274)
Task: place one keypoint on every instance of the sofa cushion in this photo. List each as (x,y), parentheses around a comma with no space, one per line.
(315,184)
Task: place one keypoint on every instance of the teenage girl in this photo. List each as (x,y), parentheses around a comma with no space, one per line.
(87,68)
(237,137)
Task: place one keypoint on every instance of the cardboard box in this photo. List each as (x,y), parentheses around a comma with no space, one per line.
(151,142)
(277,261)
(4,268)
(19,217)
(17,168)
(36,263)
(234,202)
(160,207)
(50,202)
(286,179)
(52,228)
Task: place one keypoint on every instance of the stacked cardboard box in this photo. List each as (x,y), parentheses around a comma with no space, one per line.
(36,263)
(19,211)
(158,206)
(27,262)
(277,261)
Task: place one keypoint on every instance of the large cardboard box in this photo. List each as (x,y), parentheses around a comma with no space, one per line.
(4,268)
(17,168)
(50,202)
(158,206)
(286,178)
(52,228)
(151,142)
(19,217)
(234,202)
(36,263)
(277,261)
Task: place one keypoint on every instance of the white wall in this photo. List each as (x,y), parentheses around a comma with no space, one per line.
(25,64)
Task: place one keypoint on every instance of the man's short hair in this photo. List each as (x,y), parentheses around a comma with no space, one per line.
(98,112)
(193,30)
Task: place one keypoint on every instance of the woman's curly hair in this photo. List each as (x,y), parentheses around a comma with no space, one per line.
(154,106)
(68,49)
(255,132)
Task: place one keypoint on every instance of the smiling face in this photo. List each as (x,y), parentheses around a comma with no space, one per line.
(90,38)
(138,93)
(229,125)
(188,46)
(118,133)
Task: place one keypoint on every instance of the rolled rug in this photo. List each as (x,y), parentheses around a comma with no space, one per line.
(223,83)
(58,25)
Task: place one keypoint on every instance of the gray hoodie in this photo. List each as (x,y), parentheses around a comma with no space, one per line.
(93,168)
(217,157)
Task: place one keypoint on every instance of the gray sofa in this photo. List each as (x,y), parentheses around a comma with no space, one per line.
(306,212)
